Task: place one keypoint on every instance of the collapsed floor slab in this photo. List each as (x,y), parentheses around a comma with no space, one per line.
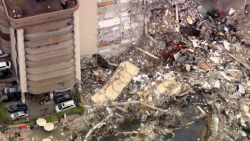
(122,76)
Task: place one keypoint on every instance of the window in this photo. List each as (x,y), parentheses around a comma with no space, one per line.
(66,107)
(12,90)
(16,114)
(60,106)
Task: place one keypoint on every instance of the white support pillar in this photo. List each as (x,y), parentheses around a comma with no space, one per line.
(13,48)
(77,48)
(51,95)
(88,27)
(22,63)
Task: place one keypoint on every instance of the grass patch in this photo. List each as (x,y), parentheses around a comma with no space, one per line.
(78,97)
(30,122)
(52,118)
(3,112)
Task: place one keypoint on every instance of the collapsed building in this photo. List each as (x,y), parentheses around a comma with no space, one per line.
(192,66)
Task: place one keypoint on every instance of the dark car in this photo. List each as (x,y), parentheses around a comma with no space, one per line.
(17,108)
(5,74)
(10,97)
(11,93)
(62,97)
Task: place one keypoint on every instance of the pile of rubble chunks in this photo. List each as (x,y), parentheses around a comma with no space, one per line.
(189,66)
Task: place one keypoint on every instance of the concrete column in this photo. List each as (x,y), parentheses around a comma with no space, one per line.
(88,27)
(23,98)
(77,47)
(51,95)
(22,63)
(13,48)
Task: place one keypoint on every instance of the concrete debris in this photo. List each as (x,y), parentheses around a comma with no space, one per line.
(191,64)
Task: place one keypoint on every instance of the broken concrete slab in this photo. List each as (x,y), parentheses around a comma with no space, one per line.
(120,79)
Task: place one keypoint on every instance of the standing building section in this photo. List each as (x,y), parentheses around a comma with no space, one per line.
(43,44)
(120,24)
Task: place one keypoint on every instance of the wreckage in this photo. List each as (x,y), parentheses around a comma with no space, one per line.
(187,66)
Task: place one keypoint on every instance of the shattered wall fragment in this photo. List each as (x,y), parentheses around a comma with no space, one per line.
(170,86)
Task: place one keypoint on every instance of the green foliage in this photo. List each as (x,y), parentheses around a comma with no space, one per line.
(51,118)
(78,97)
(30,122)
(55,117)
(3,112)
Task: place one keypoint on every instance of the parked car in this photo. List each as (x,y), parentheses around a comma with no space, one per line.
(12,89)
(5,65)
(2,54)
(62,97)
(5,74)
(19,115)
(17,107)
(65,106)
(11,93)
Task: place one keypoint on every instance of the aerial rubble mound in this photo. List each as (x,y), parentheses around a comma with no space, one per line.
(188,66)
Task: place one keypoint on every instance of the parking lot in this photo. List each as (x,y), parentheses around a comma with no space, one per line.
(14,76)
(36,110)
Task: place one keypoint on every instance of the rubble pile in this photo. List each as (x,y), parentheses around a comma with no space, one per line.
(189,66)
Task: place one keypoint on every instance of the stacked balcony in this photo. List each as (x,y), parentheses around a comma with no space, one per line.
(49,55)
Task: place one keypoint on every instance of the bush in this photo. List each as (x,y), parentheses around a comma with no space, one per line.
(31,122)
(78,97)
(55,117)
(51,118)
(3,112)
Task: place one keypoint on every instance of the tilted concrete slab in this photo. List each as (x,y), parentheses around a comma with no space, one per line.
(122,76)
(170,87)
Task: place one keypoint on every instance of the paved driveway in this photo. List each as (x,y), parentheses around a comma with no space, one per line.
(36,110)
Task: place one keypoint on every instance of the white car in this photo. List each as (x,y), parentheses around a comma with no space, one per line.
(20,114)
(2,54)
(5,65)
(65,106)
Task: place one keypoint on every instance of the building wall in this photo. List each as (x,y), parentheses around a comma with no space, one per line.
(120,24)
(88,27)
